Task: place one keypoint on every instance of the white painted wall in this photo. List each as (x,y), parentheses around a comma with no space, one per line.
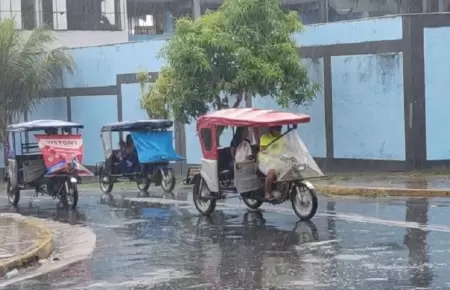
(74,39)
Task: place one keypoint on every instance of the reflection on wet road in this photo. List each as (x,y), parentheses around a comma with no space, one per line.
(165,244)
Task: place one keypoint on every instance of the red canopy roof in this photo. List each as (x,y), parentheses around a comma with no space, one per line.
(250,117)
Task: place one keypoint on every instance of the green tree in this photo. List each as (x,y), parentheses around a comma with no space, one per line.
(159,109)
(27,67)
(243,49)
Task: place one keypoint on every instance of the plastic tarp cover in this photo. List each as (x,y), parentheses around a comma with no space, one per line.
(155,146)
(293,161)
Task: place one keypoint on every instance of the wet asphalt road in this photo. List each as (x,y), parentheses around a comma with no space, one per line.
(163,243)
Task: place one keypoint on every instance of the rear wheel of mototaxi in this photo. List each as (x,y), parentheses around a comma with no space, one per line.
(69,194)
(105,181)
(252,203)
(203,201)
(143,183)
(304,200)
(168,179)
(13,192)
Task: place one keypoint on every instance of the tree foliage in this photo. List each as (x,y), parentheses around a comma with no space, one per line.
(158,109)
(245,48)
(28,67)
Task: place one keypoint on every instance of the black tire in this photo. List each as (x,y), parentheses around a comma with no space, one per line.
(252,203)
(70,199)
(105,187)
(168,186)
(313,203)
(199,185)
(143,183)
(13,193)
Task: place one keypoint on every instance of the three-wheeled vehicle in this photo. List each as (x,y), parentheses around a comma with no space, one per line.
(221,176)
(143,158)
(52,164)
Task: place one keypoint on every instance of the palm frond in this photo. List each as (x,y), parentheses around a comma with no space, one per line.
(27,67)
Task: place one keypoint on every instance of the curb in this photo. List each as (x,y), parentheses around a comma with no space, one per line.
(380,191)
(42,249)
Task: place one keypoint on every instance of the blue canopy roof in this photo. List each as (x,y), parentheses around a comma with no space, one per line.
(37,125)
(155,147)
(139,125)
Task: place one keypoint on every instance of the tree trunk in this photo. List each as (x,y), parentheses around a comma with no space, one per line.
(239,99)
(220,129)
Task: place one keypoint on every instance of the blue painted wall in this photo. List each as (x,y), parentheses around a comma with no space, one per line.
(50,108)
(363,86)
(131,106)
(368,117)
(313,134)
(356,91)
(437,92)
(361,30)
(99,65)
(386,28)
(93,112)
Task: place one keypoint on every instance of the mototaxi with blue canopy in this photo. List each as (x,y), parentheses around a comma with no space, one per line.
(143,157)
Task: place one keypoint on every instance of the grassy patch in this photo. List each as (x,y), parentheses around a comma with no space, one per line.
(375,194)
(430,172)
(363,194)
(355,175)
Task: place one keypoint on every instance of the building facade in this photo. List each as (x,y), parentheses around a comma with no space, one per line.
(77,23)
(149,18)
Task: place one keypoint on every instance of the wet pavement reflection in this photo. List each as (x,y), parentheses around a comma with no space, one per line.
(163,243)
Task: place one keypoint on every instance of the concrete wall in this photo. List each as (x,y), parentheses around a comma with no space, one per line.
(359,120)
(356,31)
(313,134)
(75,39)
(437,90)
(368,118)
(360,83)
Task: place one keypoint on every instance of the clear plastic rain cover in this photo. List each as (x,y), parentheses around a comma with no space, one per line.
(290,158)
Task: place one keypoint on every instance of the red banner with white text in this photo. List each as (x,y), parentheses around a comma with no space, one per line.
(62,154)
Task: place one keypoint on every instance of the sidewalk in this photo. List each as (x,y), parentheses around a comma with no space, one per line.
(22,241)
(70,244)
(387,184)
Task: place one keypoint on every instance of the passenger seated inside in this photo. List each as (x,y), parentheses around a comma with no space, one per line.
(240,146)
(51,131)
(269,163)
(128,156)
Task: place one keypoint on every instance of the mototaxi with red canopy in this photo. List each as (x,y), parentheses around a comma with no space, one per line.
(219,179)
(244,117)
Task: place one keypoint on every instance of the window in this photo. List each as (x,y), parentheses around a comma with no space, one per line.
(47,13)
(117,14)
(93,15)
(28,11)
(205,134)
